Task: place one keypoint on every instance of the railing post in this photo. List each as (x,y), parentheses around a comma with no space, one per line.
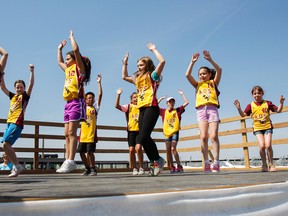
(36,148)
(245,148)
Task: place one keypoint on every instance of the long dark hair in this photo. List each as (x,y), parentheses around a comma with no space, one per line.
(87,65)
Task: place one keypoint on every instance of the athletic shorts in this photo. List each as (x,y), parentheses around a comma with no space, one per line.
(75,110)
(132,136)
(208,113)
(175,137)
(12,133)
(86,147)
(270,130)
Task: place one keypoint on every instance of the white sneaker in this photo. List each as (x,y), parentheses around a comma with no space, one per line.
(141,171)
(135,172)
(67,167)
(16,171)
(63,164)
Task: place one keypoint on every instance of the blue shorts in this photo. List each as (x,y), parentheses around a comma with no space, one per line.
(175,137)
(270,130)
(12,133)
(75,110)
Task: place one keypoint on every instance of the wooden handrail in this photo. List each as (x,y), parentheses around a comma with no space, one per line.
(242,131)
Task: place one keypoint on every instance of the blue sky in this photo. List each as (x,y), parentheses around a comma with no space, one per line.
(248,39)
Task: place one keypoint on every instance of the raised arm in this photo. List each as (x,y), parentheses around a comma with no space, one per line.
(280,107)
(161,98)
(31,81)
(238,106)
(3,86)
(3,60)
(161,61)
(218,69)
(77,54)
(125,75)
(186,102)
(100,92)
(190,78)
(61,62)
(117,102)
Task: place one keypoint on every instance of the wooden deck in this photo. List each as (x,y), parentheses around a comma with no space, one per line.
(28,187)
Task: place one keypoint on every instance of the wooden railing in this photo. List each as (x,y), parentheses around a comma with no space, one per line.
(241,142)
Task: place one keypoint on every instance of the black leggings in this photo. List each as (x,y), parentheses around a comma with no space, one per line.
(147,120)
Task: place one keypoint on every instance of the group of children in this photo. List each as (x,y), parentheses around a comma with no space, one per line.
(141,113)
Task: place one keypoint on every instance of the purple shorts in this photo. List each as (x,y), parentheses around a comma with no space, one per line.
(208,113)
(75,110)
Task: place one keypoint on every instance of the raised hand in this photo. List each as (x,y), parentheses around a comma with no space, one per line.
(237,104)
(151,46)
(119,91)
(206,54)
(195,57)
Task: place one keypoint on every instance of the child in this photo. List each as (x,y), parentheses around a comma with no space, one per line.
(77,71)
(15,121)
(207,105)
(171,119)
(88,135)
(259,110)
(6,165)
(132,114)
(145,80)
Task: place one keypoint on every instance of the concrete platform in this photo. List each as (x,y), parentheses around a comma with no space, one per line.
(30,187)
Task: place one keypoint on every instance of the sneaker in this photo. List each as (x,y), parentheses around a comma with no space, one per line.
(215,168)
(86,172)
(135,172)
(67,167)
(63,164)
(179,168)
(207,168)
(16,171)
(172,169)
(141,171)
(264,169)
(272,168)
(93,172)
(158,166)
(151,169)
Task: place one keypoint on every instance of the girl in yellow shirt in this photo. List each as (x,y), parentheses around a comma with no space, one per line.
(259,110)
(207,105)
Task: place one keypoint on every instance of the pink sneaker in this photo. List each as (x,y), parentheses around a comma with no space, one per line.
(207,168)
(179,168)
(216,168)
(172,169)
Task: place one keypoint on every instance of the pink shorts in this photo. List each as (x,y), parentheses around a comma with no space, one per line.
(208,113)
(75,110)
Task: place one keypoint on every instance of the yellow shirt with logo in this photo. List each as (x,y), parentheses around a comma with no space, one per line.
(146,90)
(73,87)
(132,118)
(261,116)
(89,127)
(18,104)
(206,93)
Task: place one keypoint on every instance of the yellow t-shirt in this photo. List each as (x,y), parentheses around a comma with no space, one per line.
(89,127)
(171,124)
(146,89)
(18,104)
(261,116)
(206,93)
(132,118)
(73,87)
